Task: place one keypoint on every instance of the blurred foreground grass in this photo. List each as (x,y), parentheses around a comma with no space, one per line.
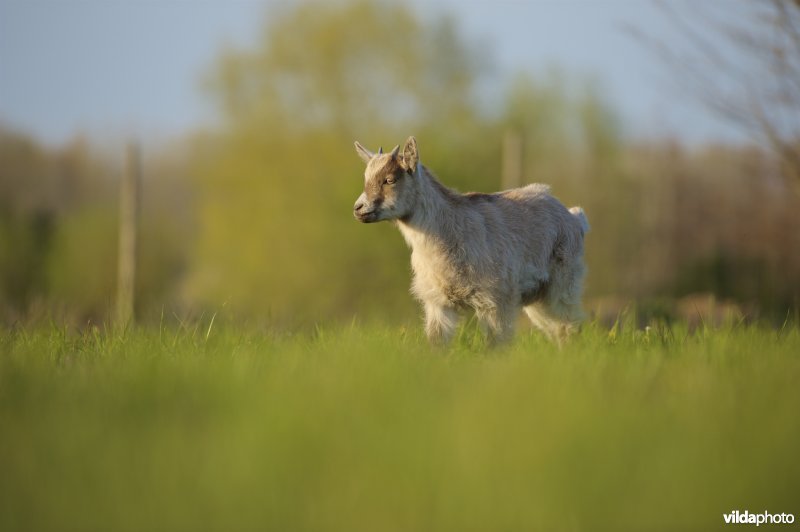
(370,429)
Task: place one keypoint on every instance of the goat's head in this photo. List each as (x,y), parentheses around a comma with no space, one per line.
(390,183)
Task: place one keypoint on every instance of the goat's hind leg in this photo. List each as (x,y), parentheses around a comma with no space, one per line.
(540,319)
(559,313)
(556,320)
(440,322)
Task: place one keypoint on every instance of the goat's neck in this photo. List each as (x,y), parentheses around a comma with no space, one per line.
(432,221)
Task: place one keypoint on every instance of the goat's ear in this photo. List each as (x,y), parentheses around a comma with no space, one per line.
(409,156)
(364,153)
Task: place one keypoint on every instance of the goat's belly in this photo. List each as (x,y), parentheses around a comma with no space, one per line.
(532,294)
(532,290)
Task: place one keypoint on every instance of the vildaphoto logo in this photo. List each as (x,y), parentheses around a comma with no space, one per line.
(746,518)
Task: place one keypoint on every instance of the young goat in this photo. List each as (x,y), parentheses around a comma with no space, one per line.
(492,253)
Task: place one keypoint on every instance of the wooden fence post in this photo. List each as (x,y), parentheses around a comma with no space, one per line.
(130,188)
(512,160)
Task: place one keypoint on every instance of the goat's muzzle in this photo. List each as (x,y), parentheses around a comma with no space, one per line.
(365,214)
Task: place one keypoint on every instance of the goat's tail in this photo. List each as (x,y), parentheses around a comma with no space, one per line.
(578,213)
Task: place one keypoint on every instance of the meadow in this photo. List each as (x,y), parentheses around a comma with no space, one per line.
(219,427)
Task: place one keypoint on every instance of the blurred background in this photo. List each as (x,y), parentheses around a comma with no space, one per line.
(675,125)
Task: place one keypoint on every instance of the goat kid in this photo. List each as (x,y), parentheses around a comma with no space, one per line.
(491,253)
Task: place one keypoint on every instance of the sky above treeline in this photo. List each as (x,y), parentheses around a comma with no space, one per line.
(134,67)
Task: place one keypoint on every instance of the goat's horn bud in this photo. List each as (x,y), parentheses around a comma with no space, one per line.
(380,150)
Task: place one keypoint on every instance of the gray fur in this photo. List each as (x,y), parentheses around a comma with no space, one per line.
(490,253)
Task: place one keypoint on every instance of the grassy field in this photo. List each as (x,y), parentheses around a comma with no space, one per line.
(364,428)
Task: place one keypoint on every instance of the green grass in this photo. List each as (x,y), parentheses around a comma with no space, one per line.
(370,429)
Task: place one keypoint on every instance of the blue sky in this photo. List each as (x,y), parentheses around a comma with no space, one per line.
(134,67)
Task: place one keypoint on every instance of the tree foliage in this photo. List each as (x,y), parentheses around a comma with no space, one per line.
(278,186)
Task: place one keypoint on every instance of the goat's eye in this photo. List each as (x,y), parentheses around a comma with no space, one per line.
(389,180)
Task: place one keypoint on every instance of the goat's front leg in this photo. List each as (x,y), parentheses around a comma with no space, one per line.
(497,323)
(440,322)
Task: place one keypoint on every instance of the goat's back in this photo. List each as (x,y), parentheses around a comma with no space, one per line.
(528,222)
(533,207)
(530,208)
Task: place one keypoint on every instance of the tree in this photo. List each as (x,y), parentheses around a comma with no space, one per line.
(742,61)
(349,66)
(277,184)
